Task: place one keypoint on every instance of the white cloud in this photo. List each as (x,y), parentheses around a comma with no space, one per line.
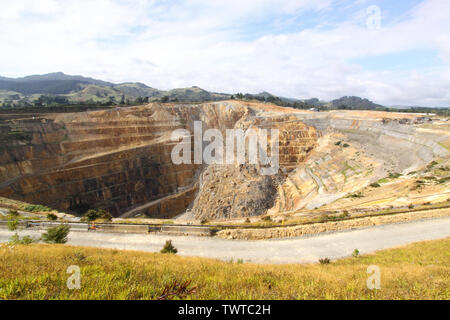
(170,44)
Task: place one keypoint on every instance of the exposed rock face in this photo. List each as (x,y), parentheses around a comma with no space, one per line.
(356,148)
(236,191)
(116,159)
(120,159)
(112,159)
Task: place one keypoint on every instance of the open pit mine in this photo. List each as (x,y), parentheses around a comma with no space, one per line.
(120,160)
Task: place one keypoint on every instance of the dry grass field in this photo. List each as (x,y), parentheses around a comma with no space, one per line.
(37,271)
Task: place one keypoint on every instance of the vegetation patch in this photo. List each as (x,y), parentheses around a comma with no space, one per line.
(57,234)
(356,195)
(169,248)
(416,271)
(36,208)
(93,215)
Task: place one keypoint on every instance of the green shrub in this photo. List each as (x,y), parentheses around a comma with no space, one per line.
(338,143)
(92,215)
(15,240)
(169,248)
(266,218)
(324,261)
(375,185)
(345,145)
(57,234)
(27,240)
(52,217)
(13,224)
(105,215)
(355,253)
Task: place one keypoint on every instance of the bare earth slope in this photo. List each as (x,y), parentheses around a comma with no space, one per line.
(120,159)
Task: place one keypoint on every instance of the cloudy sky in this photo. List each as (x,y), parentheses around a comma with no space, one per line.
(392,52)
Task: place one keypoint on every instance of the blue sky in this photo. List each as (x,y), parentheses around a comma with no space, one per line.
(392,52)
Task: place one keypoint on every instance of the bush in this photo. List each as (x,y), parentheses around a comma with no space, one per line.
(92,215)
(355,253)
(411,206)
(375,185)
(15,240)
(52,217)
(105,215)
(27,240)
(324,261)
(169,248)
(345,145)
(56,234)
(204,221)
(266,218)
(13,224)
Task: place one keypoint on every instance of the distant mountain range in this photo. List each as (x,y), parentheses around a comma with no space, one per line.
(61,89)
(78,89)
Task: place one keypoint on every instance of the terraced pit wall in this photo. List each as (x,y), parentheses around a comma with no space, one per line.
(389,139)
(112,159)
(120,159)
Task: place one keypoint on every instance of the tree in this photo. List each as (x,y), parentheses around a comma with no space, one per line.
(57,234)
(169,248)
(13,224)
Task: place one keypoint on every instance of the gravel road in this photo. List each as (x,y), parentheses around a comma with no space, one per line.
(292,250)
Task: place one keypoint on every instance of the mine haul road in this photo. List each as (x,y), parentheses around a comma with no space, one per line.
(277,251)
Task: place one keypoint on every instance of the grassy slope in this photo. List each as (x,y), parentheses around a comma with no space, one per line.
(417,271)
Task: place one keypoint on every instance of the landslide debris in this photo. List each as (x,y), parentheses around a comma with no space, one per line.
(234,191)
